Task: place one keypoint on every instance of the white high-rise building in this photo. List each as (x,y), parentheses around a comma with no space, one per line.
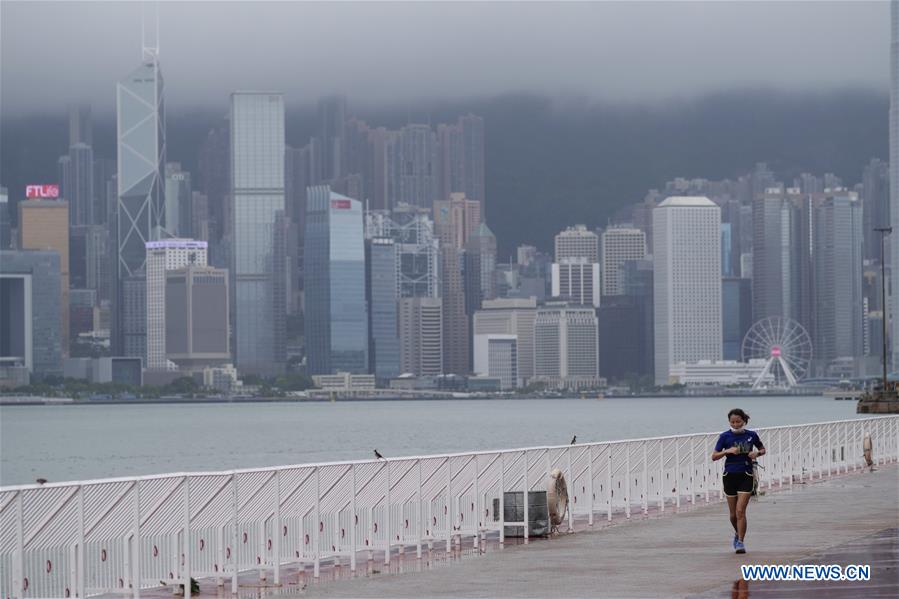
(576,280)
(686,282)
(503,318)
(619,245)
(162,256)
(577,242)
(421,335)
(566,346)
(894,168)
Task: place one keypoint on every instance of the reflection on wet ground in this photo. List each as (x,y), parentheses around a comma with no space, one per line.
(879,550)
(295,578)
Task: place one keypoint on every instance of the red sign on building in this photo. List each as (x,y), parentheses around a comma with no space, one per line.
(341,204)
(40,192)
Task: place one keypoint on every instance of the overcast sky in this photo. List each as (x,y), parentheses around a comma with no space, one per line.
(58,52)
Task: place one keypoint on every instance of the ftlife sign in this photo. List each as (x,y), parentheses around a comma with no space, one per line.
(41,192)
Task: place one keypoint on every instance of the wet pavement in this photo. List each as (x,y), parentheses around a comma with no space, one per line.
(851,518)
(879,550)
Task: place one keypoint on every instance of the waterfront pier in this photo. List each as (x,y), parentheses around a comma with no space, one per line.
(237,531)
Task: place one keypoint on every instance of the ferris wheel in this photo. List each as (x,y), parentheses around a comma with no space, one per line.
(785,346)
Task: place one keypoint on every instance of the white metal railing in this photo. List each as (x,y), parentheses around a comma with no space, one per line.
(121,535)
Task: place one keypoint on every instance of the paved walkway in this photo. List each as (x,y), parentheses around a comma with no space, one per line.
(674,555)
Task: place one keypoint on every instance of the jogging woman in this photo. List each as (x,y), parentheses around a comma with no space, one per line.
(736,446)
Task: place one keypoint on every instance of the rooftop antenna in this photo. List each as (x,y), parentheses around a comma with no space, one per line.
(149,53)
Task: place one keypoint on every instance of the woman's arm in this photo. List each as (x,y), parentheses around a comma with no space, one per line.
(760,451)
(717,455)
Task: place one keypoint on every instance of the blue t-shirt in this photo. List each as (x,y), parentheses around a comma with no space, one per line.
(745,441)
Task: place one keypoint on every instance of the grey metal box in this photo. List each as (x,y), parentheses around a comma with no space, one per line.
(513,511)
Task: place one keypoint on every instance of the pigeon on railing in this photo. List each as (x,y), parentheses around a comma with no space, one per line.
(574,440)
(378,455)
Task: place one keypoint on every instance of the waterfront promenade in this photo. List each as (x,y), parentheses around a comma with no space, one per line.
(659,524)
(852,518)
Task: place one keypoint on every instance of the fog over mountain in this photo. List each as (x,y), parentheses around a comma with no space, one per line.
(391,52)
(555,162)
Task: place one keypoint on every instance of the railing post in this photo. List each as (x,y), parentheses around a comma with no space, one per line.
(389,525)
(18,568)
(276,535)
(609,484)
(644,496)
(571,486)
(477,502)
(627,478)
(502,498)
(316,539)
(692,470)
(219,581)
(185,541)
(677,476)
(73,569)
(590,484)
(418,512)
(353,517)
(235,548)
(80,566)
(780,458)
(661,475)
(450,519)
(707,472)
(830,451)
(135,540)
(526,502)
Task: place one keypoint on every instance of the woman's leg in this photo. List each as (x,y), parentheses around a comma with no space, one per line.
(742,500)
(732,506)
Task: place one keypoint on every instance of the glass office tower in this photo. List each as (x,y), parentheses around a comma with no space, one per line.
(257,195)
(336,311)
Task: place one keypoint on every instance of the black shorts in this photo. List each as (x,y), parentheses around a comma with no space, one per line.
(736,482)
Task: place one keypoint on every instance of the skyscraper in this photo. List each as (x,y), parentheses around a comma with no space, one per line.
(44,225)
(461,158)
(421,335)
(686,282)
(777,256)
(876,206)
(455,220)
(577,281)
(894,168)
(140,127)
(506,317)
(332,133)
(566,346)
(418,251)
(196,316)
(162,256)
(30,326)
(479,269)
(77,184)
(619,244)
(381,292)
(214,170)
(257,196)
(80,125)
(414,157)
(336,313)
(837,246)
(178,199)
(577,242)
